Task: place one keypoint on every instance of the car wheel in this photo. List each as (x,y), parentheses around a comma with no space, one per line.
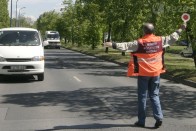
(182,54)
(40,77)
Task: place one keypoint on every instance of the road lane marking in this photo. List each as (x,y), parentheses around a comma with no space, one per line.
(77,78)
(3,113)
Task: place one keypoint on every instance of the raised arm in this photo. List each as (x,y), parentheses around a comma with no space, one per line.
(123,46)
(168,40)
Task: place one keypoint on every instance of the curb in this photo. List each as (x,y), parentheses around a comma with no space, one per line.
(177,80)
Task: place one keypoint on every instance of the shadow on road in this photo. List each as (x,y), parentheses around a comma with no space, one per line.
(95,126)
(104,103)
(88,126)
(108,103)
(17,79)
(74,60)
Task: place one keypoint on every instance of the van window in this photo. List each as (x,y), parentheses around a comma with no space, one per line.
(19,38)
(53,36)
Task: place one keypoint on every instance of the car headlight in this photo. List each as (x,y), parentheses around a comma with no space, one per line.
(38,58)
(2,59)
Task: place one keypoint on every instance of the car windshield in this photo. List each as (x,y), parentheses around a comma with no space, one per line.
(19,38)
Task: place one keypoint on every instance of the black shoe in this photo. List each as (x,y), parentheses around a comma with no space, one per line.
(158,123)
(139,125)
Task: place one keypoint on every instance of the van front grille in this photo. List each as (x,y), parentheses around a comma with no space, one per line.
(18,60)
(9,67)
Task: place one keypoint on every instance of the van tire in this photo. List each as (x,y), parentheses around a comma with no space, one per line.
(182,54)
(40,77)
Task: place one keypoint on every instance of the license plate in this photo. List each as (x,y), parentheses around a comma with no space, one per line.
(18,67)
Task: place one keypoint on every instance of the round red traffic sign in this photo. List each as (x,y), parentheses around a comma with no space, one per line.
(185,17)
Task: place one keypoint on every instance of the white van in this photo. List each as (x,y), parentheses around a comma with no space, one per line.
(21,52)
(52,40)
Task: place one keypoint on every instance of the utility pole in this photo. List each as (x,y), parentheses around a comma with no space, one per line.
(19,16)
(16,13)
(11,14)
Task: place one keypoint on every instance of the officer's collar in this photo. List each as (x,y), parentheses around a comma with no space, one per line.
(148,35)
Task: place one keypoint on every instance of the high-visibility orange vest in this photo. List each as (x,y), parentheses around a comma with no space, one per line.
(148,59)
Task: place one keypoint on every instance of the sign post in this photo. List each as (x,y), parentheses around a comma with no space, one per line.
(186,17)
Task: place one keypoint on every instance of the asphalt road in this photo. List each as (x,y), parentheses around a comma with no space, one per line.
(85,93)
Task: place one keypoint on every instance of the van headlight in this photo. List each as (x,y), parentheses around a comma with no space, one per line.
(38,58)
(2,59)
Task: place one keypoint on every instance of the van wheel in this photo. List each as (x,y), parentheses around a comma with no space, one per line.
(40,77)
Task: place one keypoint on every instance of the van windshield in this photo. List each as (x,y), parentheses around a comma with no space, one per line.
(52,36)
(19,38)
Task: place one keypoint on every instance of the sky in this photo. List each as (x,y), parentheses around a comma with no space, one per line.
(34,8)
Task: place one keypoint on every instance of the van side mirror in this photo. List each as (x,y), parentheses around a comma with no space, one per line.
(45,43)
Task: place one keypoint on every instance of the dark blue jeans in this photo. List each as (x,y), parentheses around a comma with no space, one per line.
(148,86)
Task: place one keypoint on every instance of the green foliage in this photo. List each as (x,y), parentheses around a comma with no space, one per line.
(25,22)
(84,22)
(5,20)
(47,21)
(4,15)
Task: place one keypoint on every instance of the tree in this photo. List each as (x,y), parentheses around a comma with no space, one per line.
(93,17)
(84,22)
(26,22)
(47,21)
(4,14)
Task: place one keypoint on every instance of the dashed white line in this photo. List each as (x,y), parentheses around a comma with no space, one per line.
(77,78)
(3,113)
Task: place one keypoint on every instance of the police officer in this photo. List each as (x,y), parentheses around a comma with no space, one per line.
(147,62)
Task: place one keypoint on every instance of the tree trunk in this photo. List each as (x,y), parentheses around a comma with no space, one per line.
(123,53)
(109,36)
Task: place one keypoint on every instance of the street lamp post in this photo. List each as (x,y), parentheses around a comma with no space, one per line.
(11,14)
(19,15)
(16,13)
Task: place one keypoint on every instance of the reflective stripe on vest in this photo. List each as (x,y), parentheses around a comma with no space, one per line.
(148,60)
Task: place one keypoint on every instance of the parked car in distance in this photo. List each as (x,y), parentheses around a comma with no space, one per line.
(21,52)
(187,52)
(183,43)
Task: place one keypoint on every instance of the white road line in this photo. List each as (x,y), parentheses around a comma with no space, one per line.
(3,113)
(77,78)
